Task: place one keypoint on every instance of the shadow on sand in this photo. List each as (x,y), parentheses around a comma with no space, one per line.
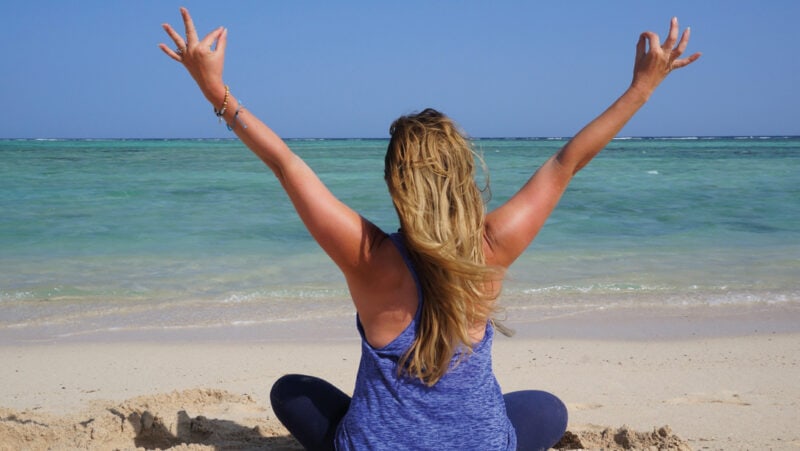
(153,432)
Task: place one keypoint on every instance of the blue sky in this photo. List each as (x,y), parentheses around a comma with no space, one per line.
(91,68)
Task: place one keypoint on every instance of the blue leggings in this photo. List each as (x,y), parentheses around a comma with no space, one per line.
(312,408)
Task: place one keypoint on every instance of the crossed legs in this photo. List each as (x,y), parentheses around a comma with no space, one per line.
(312,408)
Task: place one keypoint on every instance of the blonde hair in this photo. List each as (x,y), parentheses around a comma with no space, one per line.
(430,172)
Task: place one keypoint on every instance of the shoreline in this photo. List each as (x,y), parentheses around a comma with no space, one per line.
(637,323)
(732,388)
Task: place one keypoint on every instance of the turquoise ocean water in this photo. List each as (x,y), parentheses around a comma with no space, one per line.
(115,235)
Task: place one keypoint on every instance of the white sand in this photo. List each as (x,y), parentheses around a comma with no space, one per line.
(716,393)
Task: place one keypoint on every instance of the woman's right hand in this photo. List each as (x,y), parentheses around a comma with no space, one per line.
(202,59)
(654,61)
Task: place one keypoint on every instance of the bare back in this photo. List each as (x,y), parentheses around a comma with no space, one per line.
(387,302)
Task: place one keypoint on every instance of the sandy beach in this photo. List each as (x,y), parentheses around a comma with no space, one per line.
(716,378)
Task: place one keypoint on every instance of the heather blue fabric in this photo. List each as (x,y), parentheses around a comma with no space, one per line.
(311,409)
(463,410)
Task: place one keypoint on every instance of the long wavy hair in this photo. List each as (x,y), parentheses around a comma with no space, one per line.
(430,170)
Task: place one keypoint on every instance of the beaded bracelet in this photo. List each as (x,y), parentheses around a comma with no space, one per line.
(220,112)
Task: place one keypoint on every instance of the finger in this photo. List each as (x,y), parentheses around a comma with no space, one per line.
(683,62)
(209,39)
(191,33)
(174,35)
(653,39)
(641,47)
(170,53)
(683,42)
(222,43)
(672,37)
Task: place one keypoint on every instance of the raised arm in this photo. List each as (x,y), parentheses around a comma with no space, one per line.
(344,235)
(512,226)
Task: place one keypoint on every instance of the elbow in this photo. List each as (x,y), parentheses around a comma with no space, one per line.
(567,165)
(283,168)
(570,165)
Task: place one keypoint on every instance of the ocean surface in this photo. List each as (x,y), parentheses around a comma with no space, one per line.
(98,236)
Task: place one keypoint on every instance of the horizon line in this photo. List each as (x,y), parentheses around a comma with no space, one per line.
(520,138)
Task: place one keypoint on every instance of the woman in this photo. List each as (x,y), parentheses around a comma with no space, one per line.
(424,296)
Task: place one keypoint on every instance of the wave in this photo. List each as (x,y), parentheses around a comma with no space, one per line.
(287,294)
(643,296)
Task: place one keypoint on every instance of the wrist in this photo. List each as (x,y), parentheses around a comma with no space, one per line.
(639,93)
(216,95)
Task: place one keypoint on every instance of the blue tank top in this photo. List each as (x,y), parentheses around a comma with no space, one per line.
(464,410)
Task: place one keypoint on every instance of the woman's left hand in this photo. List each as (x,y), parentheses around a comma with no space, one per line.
(201,58)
